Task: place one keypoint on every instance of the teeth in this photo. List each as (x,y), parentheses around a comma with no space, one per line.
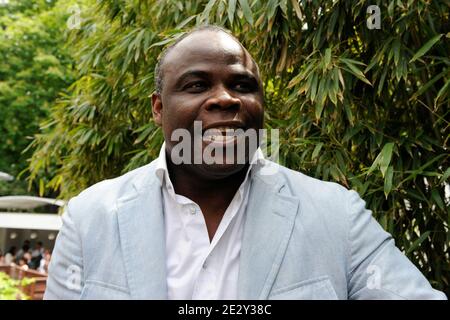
(219,138)
(223,130)
(221,134)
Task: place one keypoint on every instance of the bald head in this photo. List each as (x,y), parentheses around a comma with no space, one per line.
(208,77)
(216,38)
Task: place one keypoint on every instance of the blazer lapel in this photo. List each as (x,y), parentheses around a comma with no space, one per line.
(142,238)
(268,226)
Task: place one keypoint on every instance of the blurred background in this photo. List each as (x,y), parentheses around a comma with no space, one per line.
(358,89)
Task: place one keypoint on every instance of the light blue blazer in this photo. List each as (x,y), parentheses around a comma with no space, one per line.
(303,239)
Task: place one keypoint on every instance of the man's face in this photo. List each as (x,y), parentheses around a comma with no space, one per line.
(211,78)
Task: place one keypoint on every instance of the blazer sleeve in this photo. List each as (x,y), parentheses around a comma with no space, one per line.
(377,268)
(65,276)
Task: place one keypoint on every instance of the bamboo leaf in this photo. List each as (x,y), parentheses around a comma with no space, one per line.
(437,199)
(396,50)
(282,61)
(316,150)
(185,22)
(271,8)
(424,49)
(294,81)
(41,187)
(349,113)
(341,79)
(386,157)
(327,58)
(208,8)
(231,10)
(446,175)
(319,108)
(247,11)
(355,70)
(388,181)
(313,87)
(444,90)
(416,244)
(383,159)
(297,9)
(427,85)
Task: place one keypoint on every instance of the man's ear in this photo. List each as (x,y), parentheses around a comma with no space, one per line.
(157,108)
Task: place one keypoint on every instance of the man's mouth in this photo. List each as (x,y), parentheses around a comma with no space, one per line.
(222,134)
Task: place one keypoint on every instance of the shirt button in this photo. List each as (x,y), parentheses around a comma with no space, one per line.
(205,266)
(192,210)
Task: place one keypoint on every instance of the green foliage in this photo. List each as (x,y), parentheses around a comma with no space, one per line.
(34,68)
(365,108)
(10,288)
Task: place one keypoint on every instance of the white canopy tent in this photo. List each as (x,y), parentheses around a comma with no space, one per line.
(30,221)
(27,202)
(6,177)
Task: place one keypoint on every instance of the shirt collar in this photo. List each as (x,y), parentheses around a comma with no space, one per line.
(162,172)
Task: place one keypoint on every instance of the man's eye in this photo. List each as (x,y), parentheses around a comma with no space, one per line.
(244,87)
(195,87)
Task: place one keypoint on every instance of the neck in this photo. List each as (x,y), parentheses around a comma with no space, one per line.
(202,190)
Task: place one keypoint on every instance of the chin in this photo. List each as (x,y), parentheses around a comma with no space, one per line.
(219,171)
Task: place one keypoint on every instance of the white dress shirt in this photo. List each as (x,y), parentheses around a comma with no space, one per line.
(196,267)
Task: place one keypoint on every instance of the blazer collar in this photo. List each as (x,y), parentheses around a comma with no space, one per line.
(270,218)
(142,237)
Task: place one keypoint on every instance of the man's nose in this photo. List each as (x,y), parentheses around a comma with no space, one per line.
(222,100)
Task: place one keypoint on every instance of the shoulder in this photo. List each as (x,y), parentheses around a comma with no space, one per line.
(307,188)
(322,204)
(103,196)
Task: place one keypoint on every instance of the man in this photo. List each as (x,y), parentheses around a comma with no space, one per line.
(36,255)
(25,248)
(222,229)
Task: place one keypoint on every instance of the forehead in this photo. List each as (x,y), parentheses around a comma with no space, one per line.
(207,48)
